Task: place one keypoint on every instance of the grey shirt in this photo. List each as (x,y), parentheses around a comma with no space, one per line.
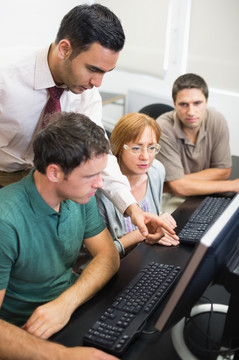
(179,156)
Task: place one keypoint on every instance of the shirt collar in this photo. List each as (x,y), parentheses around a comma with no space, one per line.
(38,205)
(43,78)
(179,132)
(177,126)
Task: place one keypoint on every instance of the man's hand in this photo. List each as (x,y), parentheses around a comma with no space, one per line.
(47,319)
(158,229)
(168,239)
(153,227)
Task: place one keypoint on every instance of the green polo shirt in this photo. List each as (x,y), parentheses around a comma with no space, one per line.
(39,247)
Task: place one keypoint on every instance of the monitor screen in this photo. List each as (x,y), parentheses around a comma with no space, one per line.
(205,266)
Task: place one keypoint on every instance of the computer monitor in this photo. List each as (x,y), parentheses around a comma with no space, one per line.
(214,260)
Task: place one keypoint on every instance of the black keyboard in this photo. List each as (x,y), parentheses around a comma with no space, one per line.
(127,315)
(202,218)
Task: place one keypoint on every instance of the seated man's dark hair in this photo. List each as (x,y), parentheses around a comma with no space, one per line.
(68,140)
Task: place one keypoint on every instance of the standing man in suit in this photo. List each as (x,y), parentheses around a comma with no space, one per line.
(87,46)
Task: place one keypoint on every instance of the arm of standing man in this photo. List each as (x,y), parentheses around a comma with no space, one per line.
(155,226)
(134,237)
(117,190)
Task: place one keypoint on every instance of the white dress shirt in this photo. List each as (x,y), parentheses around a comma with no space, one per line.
(24,78)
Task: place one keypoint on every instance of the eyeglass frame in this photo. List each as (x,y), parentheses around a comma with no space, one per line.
(156,146)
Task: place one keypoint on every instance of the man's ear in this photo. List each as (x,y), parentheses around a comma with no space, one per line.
(54,173)
(64,49)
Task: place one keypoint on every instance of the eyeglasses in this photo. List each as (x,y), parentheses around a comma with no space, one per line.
(136,149)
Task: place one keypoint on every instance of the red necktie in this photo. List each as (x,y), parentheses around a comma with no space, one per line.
(53,103)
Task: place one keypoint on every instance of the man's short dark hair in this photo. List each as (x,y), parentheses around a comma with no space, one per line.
(189,81)
(87,24)
(68,140)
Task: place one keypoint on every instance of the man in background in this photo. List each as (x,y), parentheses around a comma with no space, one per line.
(194,145)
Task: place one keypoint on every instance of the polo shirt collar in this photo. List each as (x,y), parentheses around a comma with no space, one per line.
(39,206)
(177,126)
(202,131)
(179,132)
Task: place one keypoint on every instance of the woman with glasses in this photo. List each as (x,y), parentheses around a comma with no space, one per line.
(134,142)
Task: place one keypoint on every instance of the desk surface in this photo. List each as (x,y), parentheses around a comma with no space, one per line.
(146,346)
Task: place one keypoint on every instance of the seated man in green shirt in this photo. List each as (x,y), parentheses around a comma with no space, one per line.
(44,220)
(194,145)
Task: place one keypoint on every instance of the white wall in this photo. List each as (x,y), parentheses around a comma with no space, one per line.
(32,22)
(179,39)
